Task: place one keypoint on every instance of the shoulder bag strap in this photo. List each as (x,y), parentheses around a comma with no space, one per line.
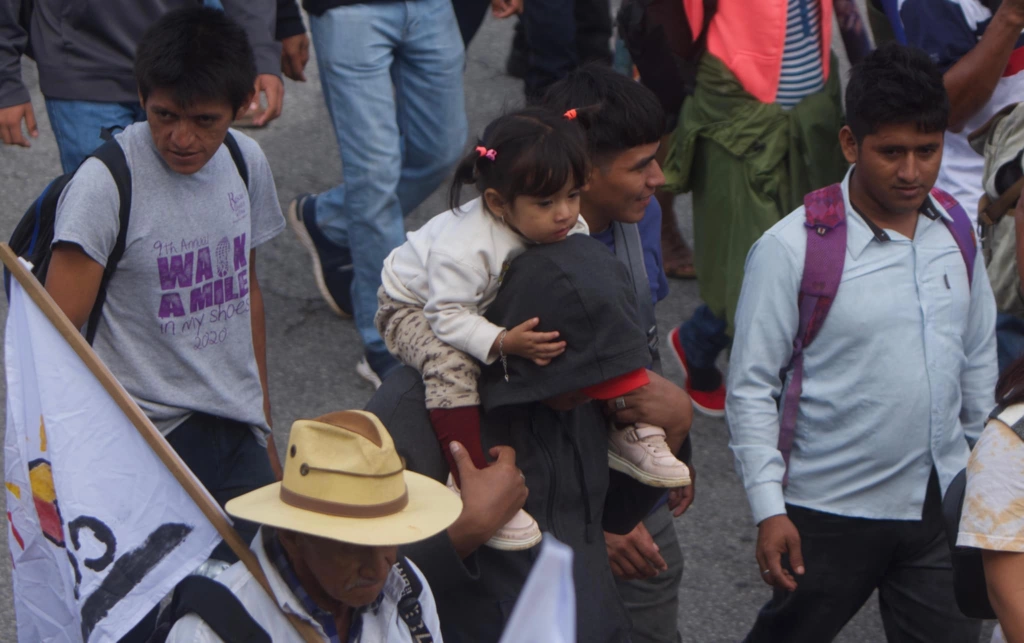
(961,228)
(630,250)
(409,607)
(111,154)
(236,155)
(823,270)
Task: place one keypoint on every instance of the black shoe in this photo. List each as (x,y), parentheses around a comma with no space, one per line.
(332,264)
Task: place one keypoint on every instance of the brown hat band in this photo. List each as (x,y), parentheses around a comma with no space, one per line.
(342,509)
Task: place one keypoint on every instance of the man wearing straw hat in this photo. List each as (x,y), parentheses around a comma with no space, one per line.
(330,536)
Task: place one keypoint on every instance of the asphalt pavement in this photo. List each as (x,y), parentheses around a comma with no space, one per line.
(312,353)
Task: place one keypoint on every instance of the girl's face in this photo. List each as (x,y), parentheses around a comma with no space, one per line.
(541,219)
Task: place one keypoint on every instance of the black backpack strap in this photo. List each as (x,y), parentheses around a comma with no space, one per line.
(236,156)
(409,607)
(1004,414)
(218,607)
(630,250)
(111,154)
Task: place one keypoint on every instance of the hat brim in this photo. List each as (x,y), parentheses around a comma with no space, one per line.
(432,508)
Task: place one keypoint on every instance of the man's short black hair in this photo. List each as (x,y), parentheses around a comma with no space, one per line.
(896,85)
(197,54)
(617,112)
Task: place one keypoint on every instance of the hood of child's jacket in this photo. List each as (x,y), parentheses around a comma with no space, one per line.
(580,289)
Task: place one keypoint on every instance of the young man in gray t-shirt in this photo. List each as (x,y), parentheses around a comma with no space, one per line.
(182,327)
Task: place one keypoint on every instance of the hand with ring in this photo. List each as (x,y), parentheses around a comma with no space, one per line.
(620,403)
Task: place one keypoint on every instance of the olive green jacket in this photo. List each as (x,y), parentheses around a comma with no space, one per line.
(748,165)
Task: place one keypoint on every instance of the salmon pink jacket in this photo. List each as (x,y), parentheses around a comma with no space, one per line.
(749,36)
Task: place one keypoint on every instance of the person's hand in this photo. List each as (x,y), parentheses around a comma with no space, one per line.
(660,403)
(634,556)
(271,87)
(680,498)
(776,536)
(504,8)
(525,342)
(10,124)
(490,497)
(1013,10)
(294,56)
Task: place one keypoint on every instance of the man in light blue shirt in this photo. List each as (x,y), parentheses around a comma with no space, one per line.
(896,385)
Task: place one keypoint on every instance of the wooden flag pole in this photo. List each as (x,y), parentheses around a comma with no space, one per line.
(156,441)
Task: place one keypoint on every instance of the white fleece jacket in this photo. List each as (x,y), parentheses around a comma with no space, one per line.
(452,267)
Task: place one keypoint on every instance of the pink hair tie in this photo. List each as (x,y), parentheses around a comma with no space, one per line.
(570,115)
(484,152)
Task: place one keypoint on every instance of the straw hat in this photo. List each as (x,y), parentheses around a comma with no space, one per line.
(343,479)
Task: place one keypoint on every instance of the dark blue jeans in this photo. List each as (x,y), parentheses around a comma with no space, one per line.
(846,559)
(228,459)
(703,337)
(1009,339)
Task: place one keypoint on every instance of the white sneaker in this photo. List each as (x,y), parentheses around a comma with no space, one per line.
(364,371)
(522,532)
(641,452)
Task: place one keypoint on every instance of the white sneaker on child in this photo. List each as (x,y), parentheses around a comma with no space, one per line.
(522,532)
(641,452)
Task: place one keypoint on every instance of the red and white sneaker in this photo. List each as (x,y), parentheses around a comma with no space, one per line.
(709,403)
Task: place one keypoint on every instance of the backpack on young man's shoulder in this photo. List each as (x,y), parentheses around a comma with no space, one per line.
(32,238)
(661,43)
(823,271)
(825,220)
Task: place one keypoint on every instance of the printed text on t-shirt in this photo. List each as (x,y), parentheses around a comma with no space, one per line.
(202,283)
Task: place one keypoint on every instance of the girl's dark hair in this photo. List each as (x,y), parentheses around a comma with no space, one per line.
(197,54)
(1010,387)
(536,152)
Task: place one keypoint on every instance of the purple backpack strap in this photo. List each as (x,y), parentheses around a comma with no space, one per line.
(961,228)
(823,270)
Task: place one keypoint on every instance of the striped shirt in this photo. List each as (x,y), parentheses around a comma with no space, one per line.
(802,70)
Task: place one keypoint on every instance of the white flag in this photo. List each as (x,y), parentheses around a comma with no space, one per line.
(99,530)
(545,611)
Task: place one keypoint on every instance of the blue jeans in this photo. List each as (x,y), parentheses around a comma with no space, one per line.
(1009,340)
(76,125)
(703,337)
(392,80)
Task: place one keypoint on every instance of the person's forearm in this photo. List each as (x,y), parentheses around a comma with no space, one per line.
(1003,573)
(13,41)
(979,376)
(259,347)
(971,81)
(259,20)
(289,20)
(259,333)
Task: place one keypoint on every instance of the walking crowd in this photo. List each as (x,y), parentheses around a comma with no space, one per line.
(859,254)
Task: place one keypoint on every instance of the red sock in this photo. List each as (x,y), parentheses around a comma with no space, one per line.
(462,425)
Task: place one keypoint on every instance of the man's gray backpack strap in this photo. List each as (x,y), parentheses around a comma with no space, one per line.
(630,251)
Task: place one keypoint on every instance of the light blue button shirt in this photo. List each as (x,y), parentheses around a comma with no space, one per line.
(899,380)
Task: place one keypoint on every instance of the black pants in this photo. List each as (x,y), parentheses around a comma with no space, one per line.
(846,559)
(229,461)
(560,34)
(554,35)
